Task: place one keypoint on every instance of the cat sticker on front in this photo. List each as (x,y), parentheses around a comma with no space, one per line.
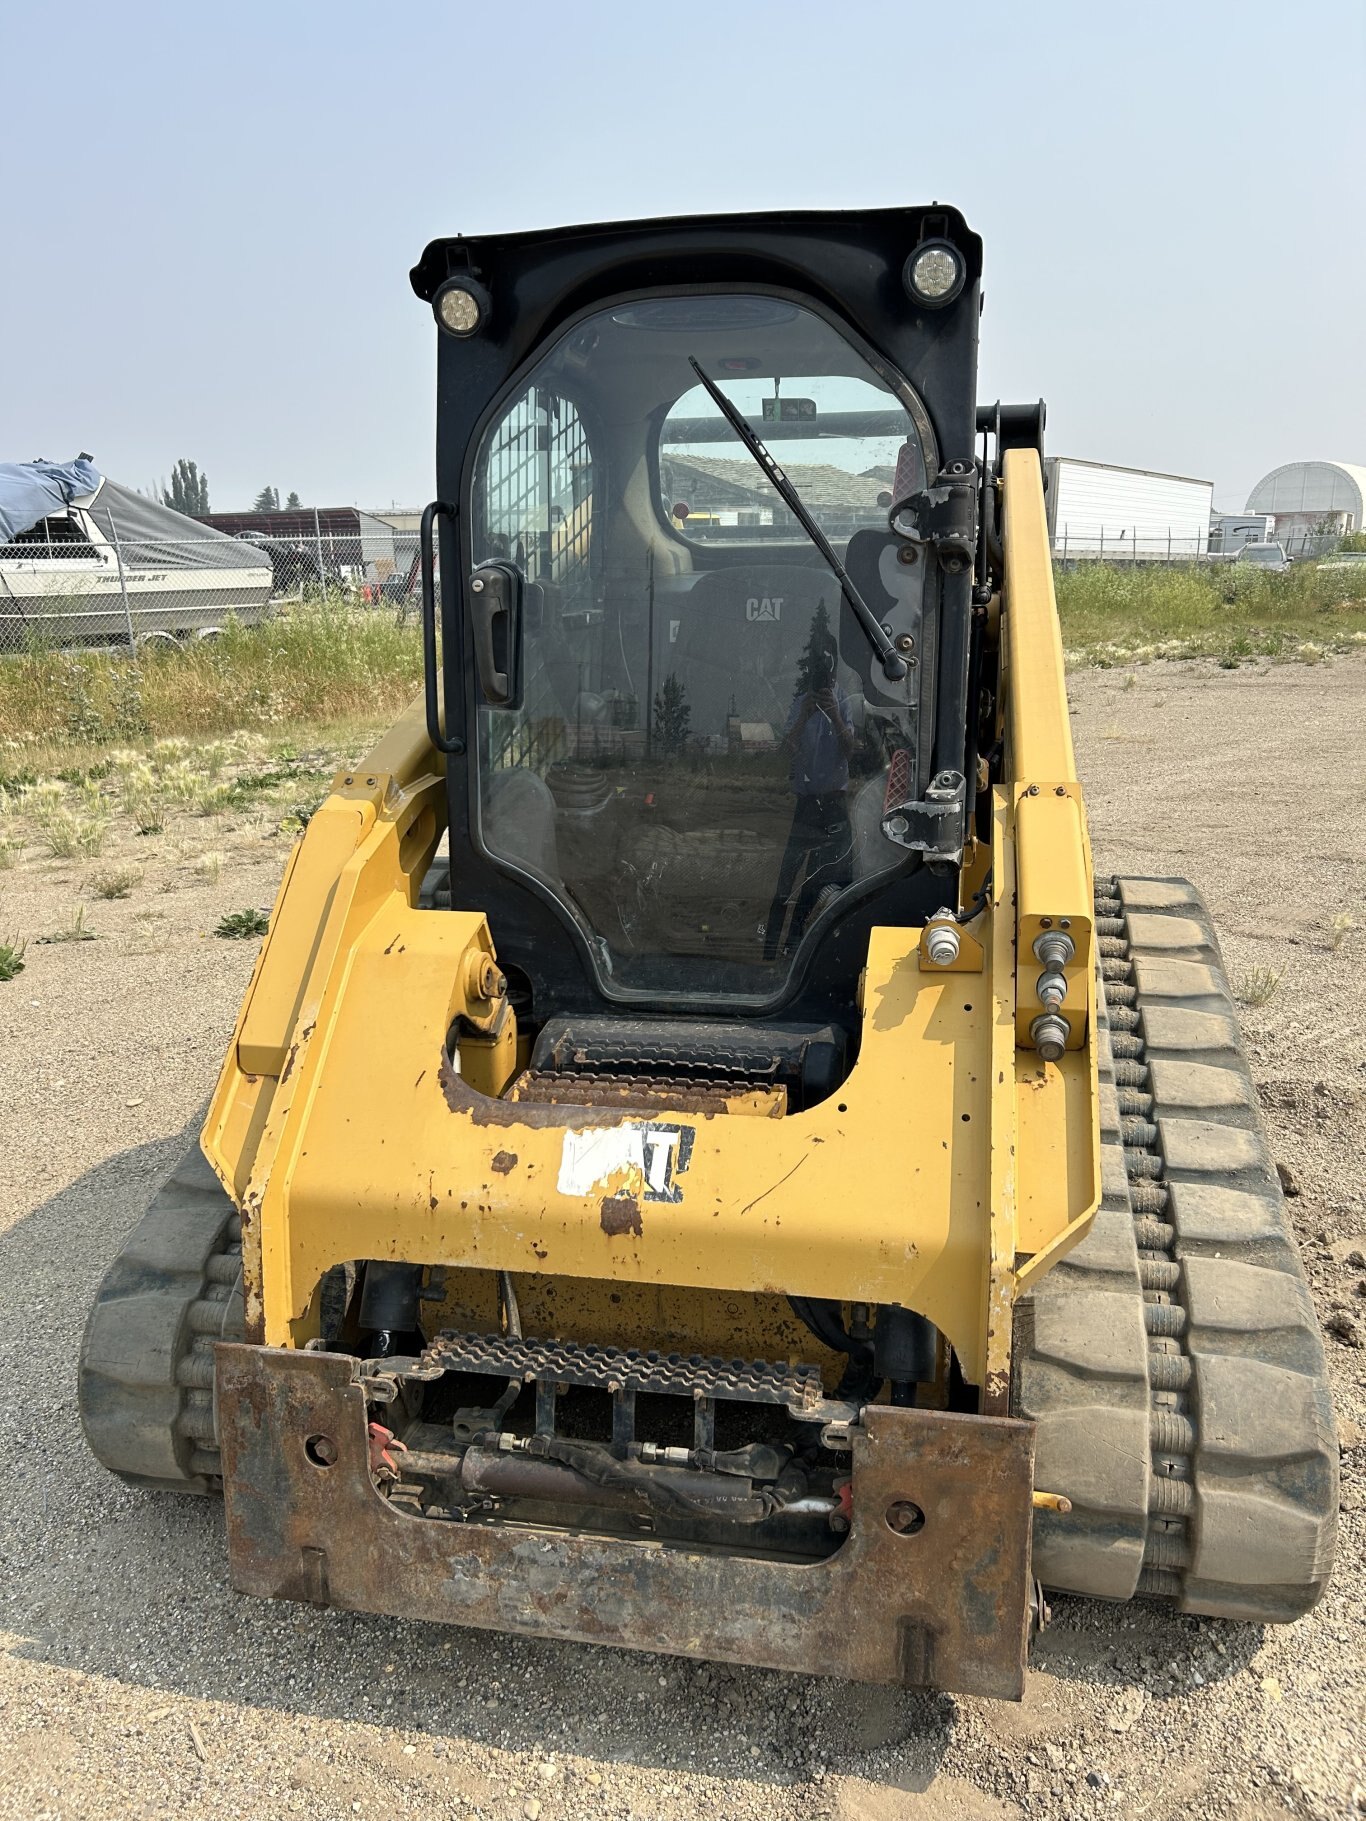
(645,1160)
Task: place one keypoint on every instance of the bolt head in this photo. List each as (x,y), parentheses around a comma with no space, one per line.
(1049,1034)
(321,1450)
(905,1518)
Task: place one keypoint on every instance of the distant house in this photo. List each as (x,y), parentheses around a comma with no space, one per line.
(725,494)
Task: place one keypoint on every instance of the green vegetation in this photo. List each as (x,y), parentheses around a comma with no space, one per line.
(238,924)
(11,959)
(160,800)
(321,664)
(68,833)
(75,931)
(332,676)
(1257,985)
(115,882)
(1115,614)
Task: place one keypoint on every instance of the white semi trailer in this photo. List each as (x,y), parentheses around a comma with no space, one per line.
(1098,510)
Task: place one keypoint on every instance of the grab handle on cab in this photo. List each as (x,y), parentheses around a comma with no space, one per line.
(450,662)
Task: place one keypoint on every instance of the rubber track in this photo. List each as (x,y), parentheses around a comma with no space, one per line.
(145,1382)
(1173,1361)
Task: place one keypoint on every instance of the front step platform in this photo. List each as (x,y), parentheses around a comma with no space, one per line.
(1172,1361)
(796,1388)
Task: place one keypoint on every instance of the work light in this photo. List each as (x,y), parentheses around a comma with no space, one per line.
(460,305)
(934,273)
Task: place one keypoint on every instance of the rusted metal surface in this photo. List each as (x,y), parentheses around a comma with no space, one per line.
(620,1214)
(943,1602)
(547,1101)
(649,1093)
(797,1388)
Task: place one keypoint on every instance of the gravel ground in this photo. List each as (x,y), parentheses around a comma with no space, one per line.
(133,1682)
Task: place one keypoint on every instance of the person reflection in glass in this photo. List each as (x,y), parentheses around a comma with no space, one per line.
(820,740)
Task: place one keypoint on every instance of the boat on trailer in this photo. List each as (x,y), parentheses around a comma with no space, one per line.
(84,561)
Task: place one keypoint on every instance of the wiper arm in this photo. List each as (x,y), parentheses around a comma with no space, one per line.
(892,666)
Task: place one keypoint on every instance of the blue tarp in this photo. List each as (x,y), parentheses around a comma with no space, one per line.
(30,490)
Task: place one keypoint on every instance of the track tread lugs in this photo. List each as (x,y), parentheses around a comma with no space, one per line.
(1245,1500)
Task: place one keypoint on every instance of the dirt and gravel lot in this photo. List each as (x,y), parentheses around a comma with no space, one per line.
(133,1682)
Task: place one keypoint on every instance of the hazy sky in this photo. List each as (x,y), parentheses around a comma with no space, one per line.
(210,211)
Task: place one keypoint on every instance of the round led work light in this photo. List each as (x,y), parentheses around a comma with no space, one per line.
(934,274)
(460,306)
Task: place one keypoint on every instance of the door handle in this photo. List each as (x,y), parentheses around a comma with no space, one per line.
(495,595)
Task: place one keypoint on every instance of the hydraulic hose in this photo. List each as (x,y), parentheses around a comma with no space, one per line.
(858,1384)
(512,1321)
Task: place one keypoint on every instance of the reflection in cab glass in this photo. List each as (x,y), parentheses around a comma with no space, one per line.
(699,759)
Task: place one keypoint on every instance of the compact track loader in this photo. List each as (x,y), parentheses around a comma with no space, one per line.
(702,1163)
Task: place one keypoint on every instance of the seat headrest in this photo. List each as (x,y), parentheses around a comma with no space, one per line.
(761,611)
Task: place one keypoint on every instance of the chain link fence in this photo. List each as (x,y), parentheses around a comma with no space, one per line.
(1141,544)
(102,579)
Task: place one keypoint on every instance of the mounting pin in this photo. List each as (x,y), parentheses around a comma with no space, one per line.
(943,943)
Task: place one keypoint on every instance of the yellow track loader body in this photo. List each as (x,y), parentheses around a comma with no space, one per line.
(340,1116)
(702,1164)
(952,1166)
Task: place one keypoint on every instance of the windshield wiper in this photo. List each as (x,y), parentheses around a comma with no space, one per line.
(892,666)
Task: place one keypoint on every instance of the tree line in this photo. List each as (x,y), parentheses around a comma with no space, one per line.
(268,500)
(189,493)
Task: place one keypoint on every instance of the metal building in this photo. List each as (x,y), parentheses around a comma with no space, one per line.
(1313,503)
(340,542)
(1231,530)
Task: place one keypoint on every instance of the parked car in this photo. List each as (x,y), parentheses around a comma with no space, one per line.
(294,564)
(1265,556)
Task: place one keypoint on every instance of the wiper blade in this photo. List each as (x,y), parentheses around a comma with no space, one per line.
(892,665)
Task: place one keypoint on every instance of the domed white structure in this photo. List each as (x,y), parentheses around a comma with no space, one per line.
(1313,503)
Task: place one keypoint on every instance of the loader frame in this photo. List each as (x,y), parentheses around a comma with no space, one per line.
(342,1031)
(338,1116)
(949,1170)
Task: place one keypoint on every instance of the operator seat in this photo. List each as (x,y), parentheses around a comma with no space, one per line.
(742,630)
